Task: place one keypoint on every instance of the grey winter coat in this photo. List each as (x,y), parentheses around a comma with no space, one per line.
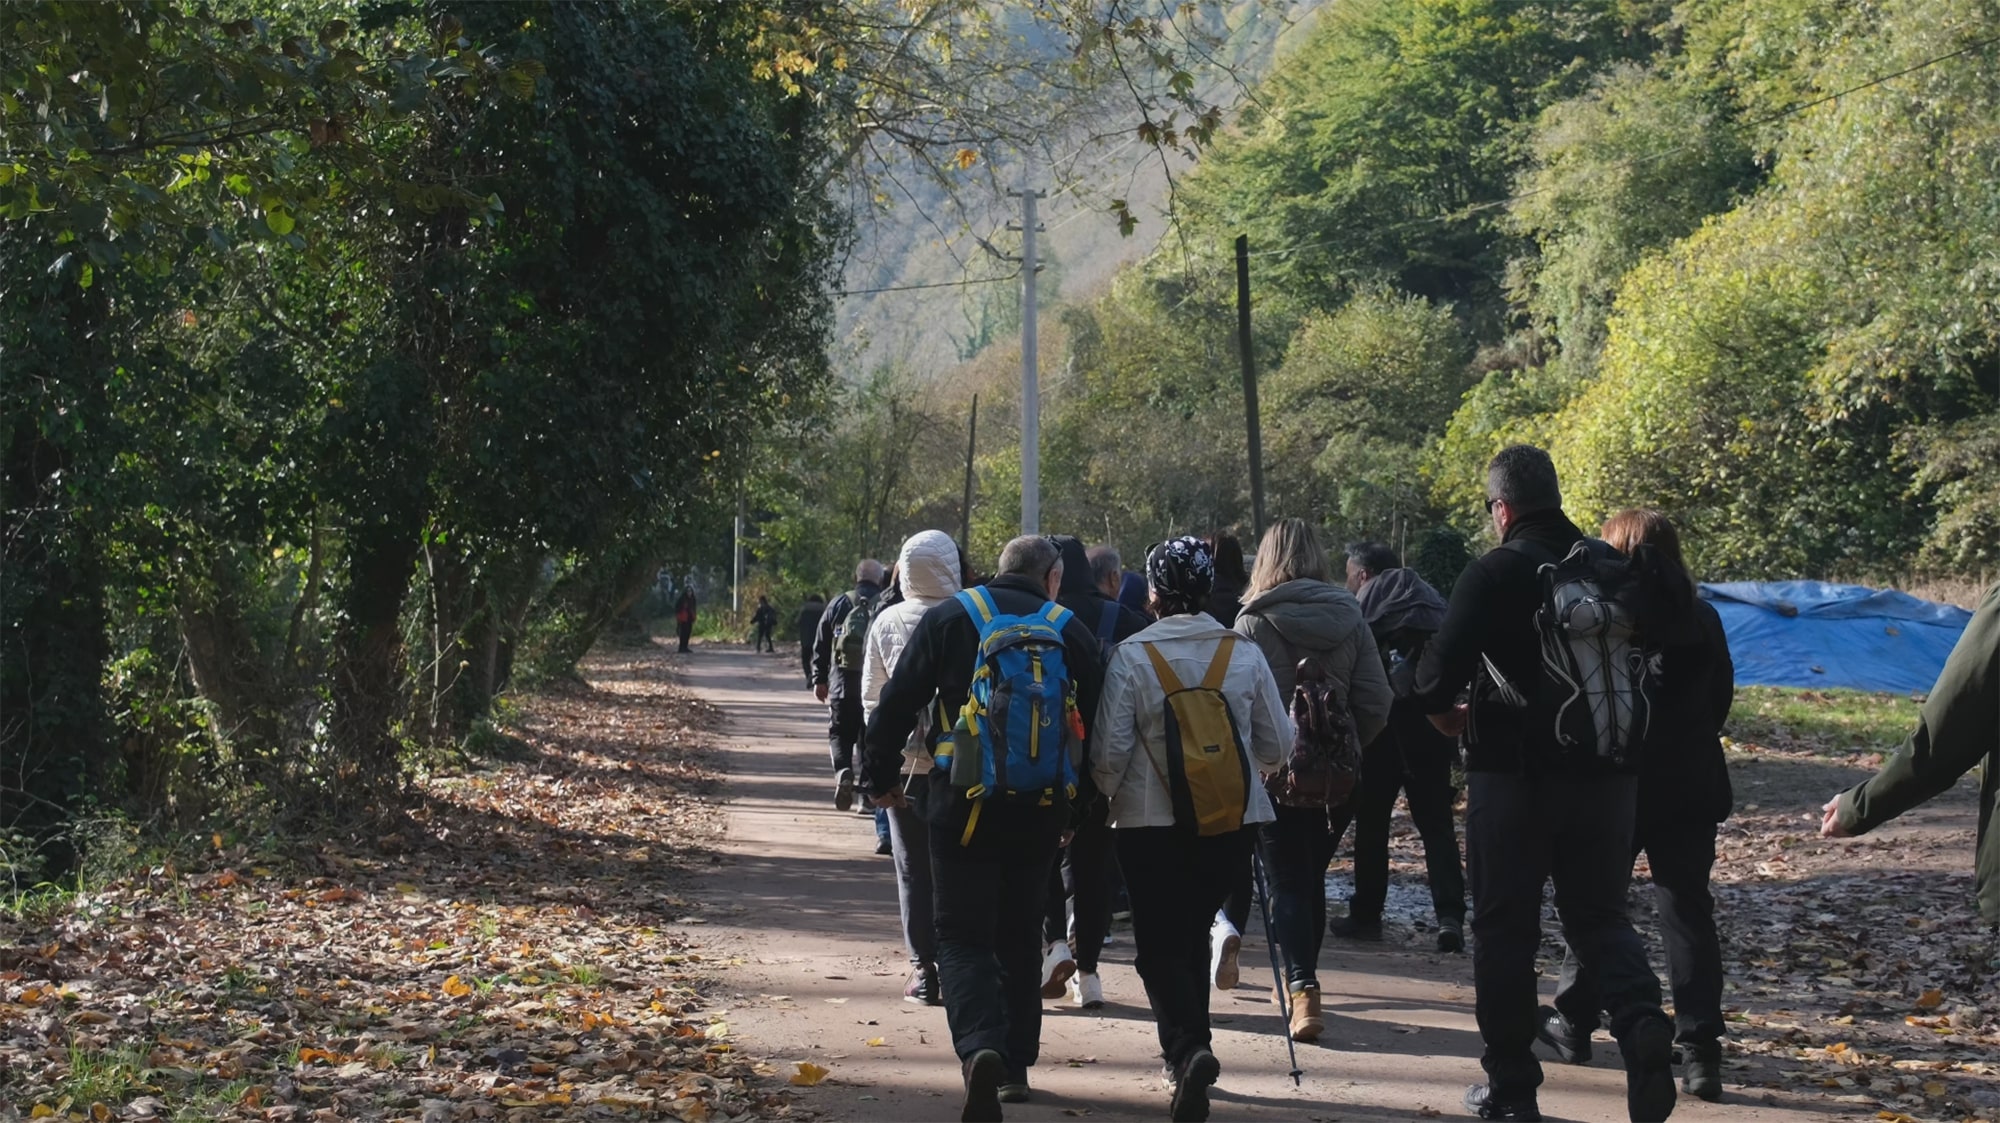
(1313,618)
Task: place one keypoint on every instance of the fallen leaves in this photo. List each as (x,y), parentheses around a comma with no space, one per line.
(808,1074)
(516,952)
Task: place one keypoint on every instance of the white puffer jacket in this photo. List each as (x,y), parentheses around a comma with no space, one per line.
(927,570)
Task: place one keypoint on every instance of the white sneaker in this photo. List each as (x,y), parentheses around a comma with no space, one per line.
(1086,990)
(1224,941)
(1057,967)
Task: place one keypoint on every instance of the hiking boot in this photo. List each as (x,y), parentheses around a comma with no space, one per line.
(1648,1052)
(1351,927)
(1555,1031)
(1190,1099)
(884,846)
(843,790)
(1451,937)
(1014,1090)
(1307,1024)
(1480,1101)
(1701,1071)
(922,988)
(1224,942)
(985,1071)
(1086,990)
(1057,967)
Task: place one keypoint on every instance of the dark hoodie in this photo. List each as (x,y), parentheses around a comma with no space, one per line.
(1404,612)
(1080,594)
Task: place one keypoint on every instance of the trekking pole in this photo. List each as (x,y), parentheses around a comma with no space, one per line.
(1277,968)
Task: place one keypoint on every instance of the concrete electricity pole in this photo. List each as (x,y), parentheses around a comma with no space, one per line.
(1031,394)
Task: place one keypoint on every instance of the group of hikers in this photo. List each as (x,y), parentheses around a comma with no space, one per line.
(1034,743)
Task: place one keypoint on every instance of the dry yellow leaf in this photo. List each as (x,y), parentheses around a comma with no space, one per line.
(1930,999)
(809,1074)
(877,1042)
(100,1112)
(41,1111)
(457,987)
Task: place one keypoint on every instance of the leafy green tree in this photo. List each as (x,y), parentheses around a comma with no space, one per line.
(1361,392)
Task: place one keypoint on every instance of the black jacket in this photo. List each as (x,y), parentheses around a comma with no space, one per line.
(1492,615)
(1684,777)
(936,667)
(808,621)
(829,623)
(1080,594)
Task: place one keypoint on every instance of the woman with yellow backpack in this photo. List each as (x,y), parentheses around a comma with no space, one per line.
(1190,720)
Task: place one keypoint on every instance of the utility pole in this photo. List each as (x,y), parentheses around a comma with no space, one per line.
(736,556)
(1031,394)
(965,512)
(1250,385)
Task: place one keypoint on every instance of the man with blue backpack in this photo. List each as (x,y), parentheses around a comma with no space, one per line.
(1013,673)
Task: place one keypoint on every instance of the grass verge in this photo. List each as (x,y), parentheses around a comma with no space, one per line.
(1831,722)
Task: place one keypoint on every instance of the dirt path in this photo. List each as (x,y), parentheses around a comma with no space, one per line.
(802,898)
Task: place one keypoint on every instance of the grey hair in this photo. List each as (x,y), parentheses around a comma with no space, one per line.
(1523,477)
(1105,564)
(1030,555)
(868,572)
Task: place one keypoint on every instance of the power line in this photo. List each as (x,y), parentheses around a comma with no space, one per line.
(1651,157)
(937,285)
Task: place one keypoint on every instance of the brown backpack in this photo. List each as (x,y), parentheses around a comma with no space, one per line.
(1325,762)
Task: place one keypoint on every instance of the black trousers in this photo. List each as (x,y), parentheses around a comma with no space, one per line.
(1410,756)
(1177,880)
(1682,856)
(1081,878)
(763,640)
(683,631)
(844,721)
(1242,894)
(1522,832)
(806,658)
(987,901)
(1299,847)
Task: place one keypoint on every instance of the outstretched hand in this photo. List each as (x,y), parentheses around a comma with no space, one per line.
(1829,820)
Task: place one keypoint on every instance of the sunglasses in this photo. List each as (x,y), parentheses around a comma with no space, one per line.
(1491,502)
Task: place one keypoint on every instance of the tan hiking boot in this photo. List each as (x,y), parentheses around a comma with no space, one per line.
(1307,1023)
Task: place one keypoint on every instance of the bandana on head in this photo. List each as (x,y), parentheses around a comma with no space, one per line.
(1181,569)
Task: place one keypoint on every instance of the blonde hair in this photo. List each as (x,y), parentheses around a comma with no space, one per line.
(1290,551)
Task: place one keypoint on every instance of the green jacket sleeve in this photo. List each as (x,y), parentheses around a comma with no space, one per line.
(1959,728)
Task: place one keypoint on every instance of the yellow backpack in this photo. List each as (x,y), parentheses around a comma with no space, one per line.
(1207,769)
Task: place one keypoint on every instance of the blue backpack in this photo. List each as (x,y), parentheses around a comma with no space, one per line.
(1019,736)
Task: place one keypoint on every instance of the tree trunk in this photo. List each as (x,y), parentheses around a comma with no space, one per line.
(369,691)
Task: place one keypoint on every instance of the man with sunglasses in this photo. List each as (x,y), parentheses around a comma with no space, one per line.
(1536,813)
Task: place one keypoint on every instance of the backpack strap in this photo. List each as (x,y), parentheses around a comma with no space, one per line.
(1057,616)
(1107,623)
(1169,681)
(1219,668)
(978,605)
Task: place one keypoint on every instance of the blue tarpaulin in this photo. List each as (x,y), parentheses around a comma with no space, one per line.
(1812,634)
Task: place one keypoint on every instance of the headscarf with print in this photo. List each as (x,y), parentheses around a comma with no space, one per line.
(1181,572)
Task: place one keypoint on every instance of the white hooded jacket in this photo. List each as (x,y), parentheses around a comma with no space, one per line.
(1130,737)
(927,571)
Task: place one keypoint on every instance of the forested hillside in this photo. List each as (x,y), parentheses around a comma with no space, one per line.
(1735,259)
